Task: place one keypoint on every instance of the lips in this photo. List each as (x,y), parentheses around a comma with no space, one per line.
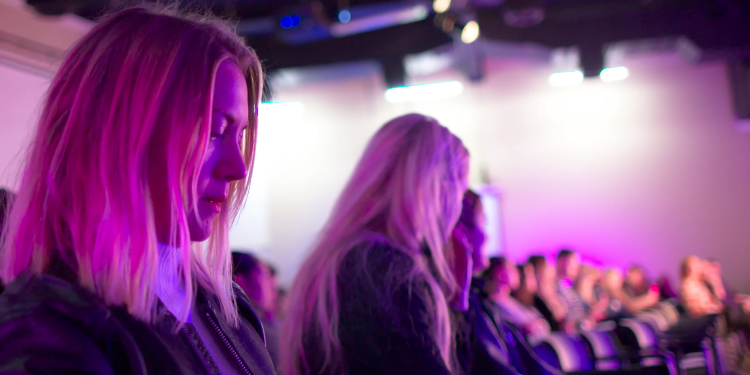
(215,203)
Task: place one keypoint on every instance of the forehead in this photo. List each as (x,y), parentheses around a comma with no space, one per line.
(230,92)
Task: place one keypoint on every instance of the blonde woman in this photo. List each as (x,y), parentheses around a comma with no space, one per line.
(116,255)
(372,296)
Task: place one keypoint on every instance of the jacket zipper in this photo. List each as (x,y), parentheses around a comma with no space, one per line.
(187,338)
(228,344)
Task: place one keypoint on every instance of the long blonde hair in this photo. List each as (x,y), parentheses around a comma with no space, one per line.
(84,198)
(408,187)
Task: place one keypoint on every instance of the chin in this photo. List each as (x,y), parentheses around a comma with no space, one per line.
(200,233)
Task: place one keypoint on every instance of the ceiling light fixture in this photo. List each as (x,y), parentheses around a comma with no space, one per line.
(418,93)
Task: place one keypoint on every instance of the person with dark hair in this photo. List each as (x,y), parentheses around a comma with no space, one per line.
(501,279)
(623,304)
(486,344)
(546,300)
(527,287)
(635,283)
(568,267)
(256,280)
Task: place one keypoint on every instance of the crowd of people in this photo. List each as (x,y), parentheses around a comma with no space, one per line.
(115,255)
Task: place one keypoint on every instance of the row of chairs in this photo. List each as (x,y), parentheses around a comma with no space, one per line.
(658,341)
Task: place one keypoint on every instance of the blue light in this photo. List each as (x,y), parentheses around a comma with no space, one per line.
(345,16)
(295,20)
(286,22)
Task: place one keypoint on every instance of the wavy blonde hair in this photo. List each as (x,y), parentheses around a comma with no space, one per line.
(407,186)
(137,87)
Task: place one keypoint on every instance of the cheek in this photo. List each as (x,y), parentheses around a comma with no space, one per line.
(206,170)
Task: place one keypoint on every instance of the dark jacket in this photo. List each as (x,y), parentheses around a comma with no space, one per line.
(385,320)
(499,347)
(51,325)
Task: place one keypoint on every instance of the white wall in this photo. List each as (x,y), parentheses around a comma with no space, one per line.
(27,62)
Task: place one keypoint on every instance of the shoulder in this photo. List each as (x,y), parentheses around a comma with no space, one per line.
(246,311)
(378,258)
(46,295)
(52,324)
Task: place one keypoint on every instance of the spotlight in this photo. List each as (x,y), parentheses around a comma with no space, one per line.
(448,24)
(400,16)
(470,32)
(563,79)
(288,22)
(430,91)
(441,6)
(617,73)
(345,16)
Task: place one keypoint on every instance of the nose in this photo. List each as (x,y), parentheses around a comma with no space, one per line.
(231,166)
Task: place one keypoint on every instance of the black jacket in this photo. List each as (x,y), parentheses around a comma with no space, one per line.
(385,319)
(51,325)
(497,347)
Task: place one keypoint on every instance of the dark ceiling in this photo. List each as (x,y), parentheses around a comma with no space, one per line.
(720,28)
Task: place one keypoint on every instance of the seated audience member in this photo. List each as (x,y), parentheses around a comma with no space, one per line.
(735,305)
(256,280)
(527,287)
(623,304)
(373,295)
(666,291)
(546,300)
(568,267)
(635,283)
(485,343)
(501,278)
(712,277)
(695,296)
(595,299)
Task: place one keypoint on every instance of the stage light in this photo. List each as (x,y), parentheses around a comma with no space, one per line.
(441,6)
(401,16)
(470,33)
(278,109)
(345,16)
(418,93)
(617,73)
(295,20)
(563,79)
(286,22)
